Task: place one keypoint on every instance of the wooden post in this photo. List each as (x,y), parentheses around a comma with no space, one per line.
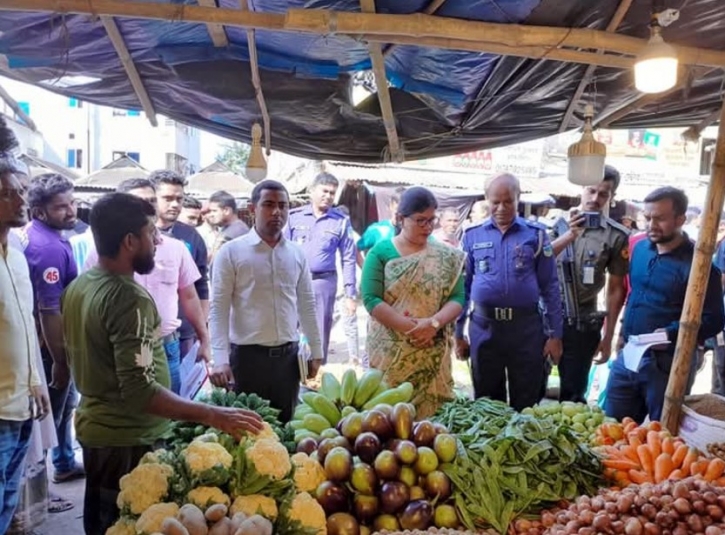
(696,288)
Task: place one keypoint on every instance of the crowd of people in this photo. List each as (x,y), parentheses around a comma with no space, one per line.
(97,319)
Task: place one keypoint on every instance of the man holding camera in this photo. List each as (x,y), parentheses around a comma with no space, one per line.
(587,248)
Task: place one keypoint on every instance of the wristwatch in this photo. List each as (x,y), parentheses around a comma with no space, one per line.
(435,323)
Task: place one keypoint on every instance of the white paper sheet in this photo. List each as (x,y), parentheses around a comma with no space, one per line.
(638,345)
(193,373)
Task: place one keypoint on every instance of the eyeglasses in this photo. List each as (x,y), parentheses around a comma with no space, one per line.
(423,222)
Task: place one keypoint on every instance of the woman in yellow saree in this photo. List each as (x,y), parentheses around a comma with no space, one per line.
(412,286)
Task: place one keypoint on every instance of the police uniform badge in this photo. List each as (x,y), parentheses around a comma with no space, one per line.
(548,250)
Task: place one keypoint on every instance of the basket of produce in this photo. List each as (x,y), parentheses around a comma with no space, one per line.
(703,420)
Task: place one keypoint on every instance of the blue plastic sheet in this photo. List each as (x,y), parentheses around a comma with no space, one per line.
(445,101)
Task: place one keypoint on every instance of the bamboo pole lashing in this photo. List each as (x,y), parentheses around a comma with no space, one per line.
(693,133)
(381,82)
(130,67)
(257,83)
(216,31)
(690,319)
(332,22)
(614,23)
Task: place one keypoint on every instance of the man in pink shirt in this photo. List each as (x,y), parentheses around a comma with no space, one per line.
(171,284)
(448,230)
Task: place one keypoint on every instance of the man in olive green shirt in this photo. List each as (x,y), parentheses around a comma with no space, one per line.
(596,251)
(110,324)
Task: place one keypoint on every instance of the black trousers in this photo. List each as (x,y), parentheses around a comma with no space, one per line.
(576,362)
(270,372)
(104,469)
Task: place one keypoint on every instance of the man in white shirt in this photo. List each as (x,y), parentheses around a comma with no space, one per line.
(21,388)
(261,291)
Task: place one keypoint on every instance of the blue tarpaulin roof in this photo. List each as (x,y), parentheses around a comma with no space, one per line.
(445,101)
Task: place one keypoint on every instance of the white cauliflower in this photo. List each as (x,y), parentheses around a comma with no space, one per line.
(309,473)
(208,463)
(124,526)
(144,486)
(255,504)
(152,518)
(204,497)
(270,458)
(307,511)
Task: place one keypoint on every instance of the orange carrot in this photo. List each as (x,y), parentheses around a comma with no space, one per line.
(715,469)
(628,420)
(645,459)
(622,479)
(668,446)
(699,467)
(633,439)
(720,482)
(630,452)
(639,477)
(690,458)
(654,443)
(655,426)
(630,427)
(679,455)
(620,464)
(663,467)
(676,474)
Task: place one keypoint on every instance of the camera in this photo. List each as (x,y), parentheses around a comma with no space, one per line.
(592,219)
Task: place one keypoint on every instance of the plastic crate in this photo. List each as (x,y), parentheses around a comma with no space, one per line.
(698,430)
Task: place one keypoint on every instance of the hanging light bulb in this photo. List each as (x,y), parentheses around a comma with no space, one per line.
(655,70)
(256,169)
(586,156)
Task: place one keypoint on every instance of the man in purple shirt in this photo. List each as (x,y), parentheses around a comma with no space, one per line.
(52,269)
(510,267)
(323,231)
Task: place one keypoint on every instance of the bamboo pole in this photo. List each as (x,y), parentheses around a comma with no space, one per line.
(257,83)
(614,23)
(430,9)
(332,22)
(533,52)
(381,82)
(514,35)
(216,31)
(10,101)
(696,287)
(120,46)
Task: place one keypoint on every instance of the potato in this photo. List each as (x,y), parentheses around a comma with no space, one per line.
(222,527)
(255,525)
(193,519)
(171,526)
(216,512)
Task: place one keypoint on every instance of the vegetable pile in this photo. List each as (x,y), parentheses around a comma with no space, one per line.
(581,418)
(336,399)
(381,471)
(647,454)
(690,506)
(208,488)
(513,463)
(184,432)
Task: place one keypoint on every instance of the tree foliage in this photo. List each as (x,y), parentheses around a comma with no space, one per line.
(235,156)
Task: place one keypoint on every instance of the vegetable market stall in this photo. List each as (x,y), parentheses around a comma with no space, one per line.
(355,461)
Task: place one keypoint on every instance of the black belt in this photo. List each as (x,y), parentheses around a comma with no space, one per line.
(169,338)
(323,274)
(504,313)
(272,351)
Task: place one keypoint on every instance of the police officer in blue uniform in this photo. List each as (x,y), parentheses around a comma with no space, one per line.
(323,231)
(510,270)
